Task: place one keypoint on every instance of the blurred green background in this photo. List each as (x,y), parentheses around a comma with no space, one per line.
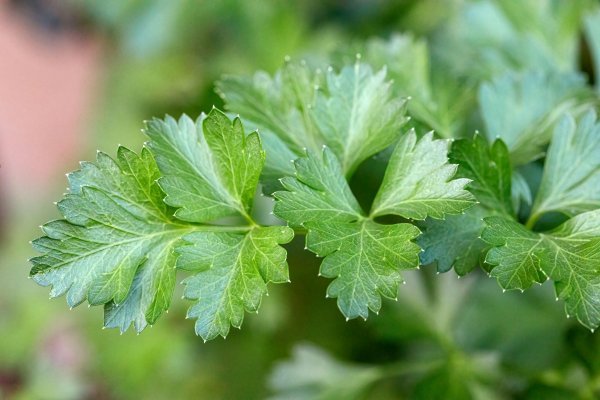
(443,338)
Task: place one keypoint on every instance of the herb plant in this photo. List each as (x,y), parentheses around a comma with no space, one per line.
(467,168)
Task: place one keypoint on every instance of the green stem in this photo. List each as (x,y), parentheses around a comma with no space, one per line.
(248,218)
(300,231)
(532,220)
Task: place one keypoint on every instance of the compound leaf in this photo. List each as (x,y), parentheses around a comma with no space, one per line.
(120,243)
(352,111)
(363,257)
(233,264)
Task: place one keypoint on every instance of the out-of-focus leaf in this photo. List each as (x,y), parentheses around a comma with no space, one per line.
(487,38)
(521,109)
(439,102)
(314,374)
(571,180)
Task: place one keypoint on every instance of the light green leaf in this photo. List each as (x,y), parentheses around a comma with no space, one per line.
(210,168)
(356,114)
(279,104)
(231,274)
(417,182)
(436,101)
(363,257)
(571,180)
(115,245)
(488,37)
(521,109)
(569,255)
(233,264)
(352,111)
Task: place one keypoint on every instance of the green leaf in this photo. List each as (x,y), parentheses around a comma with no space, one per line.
(569,255)
(363,257)
(353,112)
(115,245)
(515,253)
(120,243)
(571,180)
(487,38)
(210,167)
(455,241)
(417,182)
(521,109)
(231,274)
(319,193)
(488,167)
(215,159)
(356,114)
(278,105)
(520,191)
(438,102)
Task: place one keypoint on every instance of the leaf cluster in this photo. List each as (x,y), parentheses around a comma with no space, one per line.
(445,197)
